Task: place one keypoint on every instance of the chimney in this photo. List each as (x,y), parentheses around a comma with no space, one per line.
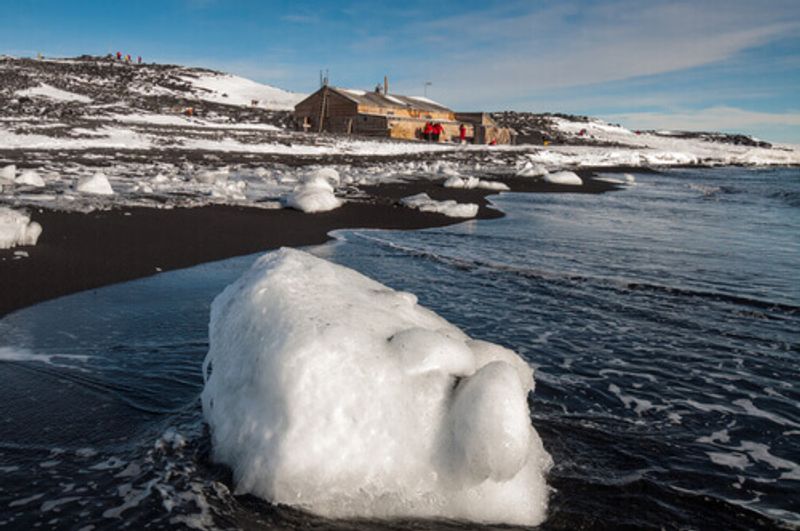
(386,84)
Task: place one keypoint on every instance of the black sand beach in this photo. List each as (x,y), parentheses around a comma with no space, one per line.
(78,251)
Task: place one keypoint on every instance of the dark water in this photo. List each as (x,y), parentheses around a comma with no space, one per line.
(663,322)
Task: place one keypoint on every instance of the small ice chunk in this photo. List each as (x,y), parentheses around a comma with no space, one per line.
(449,207)
(95,184)
(30,178)
(327,173)
(473,182)
(326,391)
(7,174)
(17,228)
(530,169)
(313,195)
(563,177)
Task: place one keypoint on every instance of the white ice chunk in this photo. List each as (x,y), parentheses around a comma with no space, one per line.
(30,178)
(563,177)
(313,195)
(95,184)
(327,391)
(473,182)
(530,169)
(451,208)
(7,174)
(17,228)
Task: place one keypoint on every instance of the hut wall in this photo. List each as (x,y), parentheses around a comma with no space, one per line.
(372,125)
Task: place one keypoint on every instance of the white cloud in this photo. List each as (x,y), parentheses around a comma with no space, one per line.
(504,52)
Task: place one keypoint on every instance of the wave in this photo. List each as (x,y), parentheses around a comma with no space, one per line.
(565,277)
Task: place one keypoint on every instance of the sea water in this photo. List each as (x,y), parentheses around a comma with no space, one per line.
(662,320)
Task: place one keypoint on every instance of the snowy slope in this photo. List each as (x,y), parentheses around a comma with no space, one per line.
(235,90)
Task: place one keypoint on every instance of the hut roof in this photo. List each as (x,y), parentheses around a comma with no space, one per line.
(390,100)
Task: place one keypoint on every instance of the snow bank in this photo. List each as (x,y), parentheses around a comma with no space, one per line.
(563,177)
(95,184)
(449,207)
(315,193)
(474,182)
(17,228)
(30,178)
(330,392)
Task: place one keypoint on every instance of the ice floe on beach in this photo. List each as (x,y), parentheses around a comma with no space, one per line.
(330,392)
(474,182)
(563,177)
(96,184)
(315,192)
(17,228)
(449,207)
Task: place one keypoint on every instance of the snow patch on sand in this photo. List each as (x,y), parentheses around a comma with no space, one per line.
(451,208)
(17,228)
(328,391)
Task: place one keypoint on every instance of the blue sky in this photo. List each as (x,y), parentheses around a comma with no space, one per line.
(730,65)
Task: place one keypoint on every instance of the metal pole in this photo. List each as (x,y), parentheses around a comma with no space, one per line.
(427,84)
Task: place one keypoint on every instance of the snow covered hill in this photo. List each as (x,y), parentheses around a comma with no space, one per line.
(94,87)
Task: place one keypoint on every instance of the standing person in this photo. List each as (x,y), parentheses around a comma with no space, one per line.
(462,133)
(139,60)
(437,131)
(119,56)
(427,133)
(128,58)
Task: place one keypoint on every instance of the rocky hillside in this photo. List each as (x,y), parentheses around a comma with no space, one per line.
(95,87)
(535,128)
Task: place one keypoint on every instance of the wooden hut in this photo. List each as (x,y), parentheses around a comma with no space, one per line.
(349,111)
(380,113)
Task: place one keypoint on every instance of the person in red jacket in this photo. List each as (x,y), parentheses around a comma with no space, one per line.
(119,56)
(462,133)
(427,132)
(437,131)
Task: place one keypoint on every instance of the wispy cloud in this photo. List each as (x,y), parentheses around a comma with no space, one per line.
(497,54)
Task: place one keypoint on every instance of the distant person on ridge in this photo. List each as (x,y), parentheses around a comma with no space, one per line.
(462,133)
(119,56)
(139,60)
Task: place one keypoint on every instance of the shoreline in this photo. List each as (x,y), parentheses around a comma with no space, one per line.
(84,251)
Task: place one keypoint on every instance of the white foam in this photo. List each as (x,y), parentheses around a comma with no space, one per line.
(96,184)
(329,392)
(17,228)
(449,207)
